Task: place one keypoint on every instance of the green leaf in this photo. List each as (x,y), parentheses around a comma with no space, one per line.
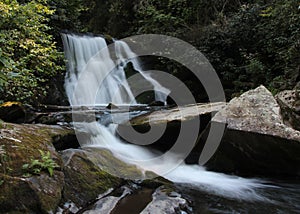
(36,171)
(50,170)
(25,166)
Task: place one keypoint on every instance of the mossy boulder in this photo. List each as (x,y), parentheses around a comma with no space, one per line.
(22,143)
(36,194)
(92,171)
(109,163)
(19,145)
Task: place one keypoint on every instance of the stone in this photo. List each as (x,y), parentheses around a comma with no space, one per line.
(108,203)
(92,171)
(162,199)
(289,102)
(164,202)
(111,106)
(157,103)
(172,118)
(36,194)
(20,192)
(256,141)
(12,112)
(183,113)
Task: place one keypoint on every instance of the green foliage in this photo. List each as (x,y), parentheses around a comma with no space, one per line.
(161,16)
(248,42)
(45,164)
(258,44)
(181,18)
(111,17)
(28,54)
(69,15)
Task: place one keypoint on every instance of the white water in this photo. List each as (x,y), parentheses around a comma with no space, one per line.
(194,175)
(79,51)
(107,76)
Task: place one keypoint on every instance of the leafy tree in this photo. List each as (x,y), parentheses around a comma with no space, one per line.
(256,44)
(29,55)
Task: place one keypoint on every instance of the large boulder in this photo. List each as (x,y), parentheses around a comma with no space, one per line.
(256,141)
(84,179)
(289,101)
(90,172)
(38,192)
(172,121)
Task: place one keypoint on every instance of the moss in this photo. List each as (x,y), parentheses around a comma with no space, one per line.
(23,142)
(1,124)
(156,182)
(84,180)
(109,163)
(20,144)
(9,104)
(39,194)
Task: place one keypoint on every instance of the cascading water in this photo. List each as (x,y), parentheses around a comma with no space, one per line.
(84,53)
(124,52)
(81,50)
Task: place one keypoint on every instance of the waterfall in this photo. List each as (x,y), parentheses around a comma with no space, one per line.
(82,53)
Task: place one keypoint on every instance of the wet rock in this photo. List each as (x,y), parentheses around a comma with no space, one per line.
(173,119)
(124,200)
(167,202)
(111,106)
(156,103)
(54,108)
(256,141)
(92,171)
(289,102)
(64,117)
(52,118)
(183,113)
(65,140)
(20,192)
(109,202)
(104,205)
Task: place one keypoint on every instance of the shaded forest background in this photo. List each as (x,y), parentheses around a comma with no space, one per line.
(248,42)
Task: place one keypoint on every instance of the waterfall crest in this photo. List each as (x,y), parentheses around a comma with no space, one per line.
(91,54)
